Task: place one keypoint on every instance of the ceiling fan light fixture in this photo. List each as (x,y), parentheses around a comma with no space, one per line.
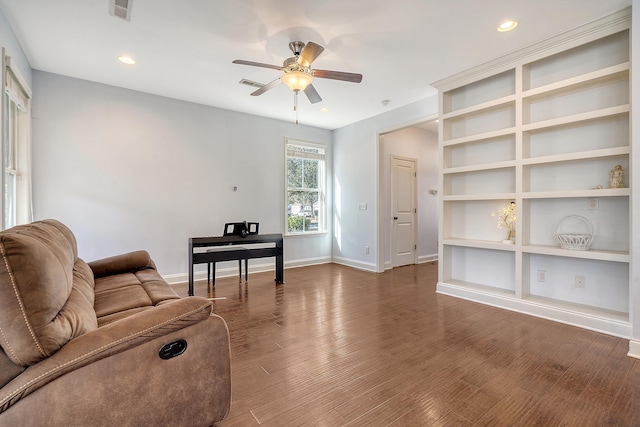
(297,80)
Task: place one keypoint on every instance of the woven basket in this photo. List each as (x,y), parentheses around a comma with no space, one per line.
(579,241)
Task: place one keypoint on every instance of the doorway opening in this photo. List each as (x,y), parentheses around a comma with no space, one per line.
(417,142)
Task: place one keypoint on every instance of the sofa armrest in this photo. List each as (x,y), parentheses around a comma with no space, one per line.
(110,341)
(123,263)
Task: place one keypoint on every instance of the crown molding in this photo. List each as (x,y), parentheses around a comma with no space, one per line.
(594,30)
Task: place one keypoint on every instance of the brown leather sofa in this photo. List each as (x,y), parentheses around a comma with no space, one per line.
(102,343)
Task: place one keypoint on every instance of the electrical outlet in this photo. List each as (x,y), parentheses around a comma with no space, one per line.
(542,276)
(366,249)
(580,282)
(592,204)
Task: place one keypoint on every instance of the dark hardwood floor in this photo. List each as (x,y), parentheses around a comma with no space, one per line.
(338,346)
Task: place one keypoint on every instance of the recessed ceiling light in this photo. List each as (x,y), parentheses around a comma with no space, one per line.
(507,26)
(324,110)
(126,60)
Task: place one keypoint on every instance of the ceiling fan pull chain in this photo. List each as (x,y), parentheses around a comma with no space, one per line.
(295,104)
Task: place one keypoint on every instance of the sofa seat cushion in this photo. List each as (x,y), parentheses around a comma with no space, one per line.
(46,291)
(123,294)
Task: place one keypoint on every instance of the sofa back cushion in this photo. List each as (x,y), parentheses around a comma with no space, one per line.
(46,291)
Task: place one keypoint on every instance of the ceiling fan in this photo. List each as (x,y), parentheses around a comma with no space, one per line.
(298,74)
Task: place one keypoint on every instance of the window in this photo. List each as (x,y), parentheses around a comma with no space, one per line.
(306,202)
(16,200)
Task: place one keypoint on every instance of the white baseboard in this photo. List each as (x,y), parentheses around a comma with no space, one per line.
(634,349)
(618,328)
(427,258)
(173,279)
(421,260)
(368,266)
(307,262)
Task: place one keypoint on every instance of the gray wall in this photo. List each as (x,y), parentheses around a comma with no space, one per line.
(127,170)
(358,167)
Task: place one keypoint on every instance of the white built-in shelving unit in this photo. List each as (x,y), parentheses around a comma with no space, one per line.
(542,127)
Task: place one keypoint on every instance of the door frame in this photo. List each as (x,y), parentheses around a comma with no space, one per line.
(381,202)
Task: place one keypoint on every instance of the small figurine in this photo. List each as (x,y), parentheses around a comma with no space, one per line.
(615,177)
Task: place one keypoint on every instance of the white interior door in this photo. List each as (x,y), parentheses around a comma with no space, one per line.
(403,196)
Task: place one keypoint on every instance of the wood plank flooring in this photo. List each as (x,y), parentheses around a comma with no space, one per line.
(336,346)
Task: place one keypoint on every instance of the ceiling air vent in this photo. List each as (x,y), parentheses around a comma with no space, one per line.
(120,8)
(250,83)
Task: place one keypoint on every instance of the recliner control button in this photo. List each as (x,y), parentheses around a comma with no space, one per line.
(173,349)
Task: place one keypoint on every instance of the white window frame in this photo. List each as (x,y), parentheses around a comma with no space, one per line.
(322,184)
(16,147)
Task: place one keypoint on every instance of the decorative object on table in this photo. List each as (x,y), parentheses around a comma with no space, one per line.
(615,177)
(575,232)
(598,187)
(507,219)
(242,229)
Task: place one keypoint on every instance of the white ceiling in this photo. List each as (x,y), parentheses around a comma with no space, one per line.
(184,48)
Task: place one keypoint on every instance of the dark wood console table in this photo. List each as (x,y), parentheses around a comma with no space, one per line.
(236,254)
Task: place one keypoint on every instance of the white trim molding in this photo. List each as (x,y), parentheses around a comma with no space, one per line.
(634,349)
(617,21)
(361,265)
(427,258)
(596,323)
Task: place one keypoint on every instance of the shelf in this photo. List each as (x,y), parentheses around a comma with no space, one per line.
(600,320)
(471,197)
(480,136)
(480,107)
(580,155)
(543,133)
(479,93)
(601,255)
(479,153)
(575,118)
(480,167)
(585,310)
(480,244)
(605,192)
(615,72)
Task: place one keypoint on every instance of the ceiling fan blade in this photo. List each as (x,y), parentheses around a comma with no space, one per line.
(310,52)
(338,75)
(312,94)
(257,64)
(266,87)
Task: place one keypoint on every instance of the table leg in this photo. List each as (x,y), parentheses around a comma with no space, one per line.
(246,269)
(213,274)
(280,262)
(190,274)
